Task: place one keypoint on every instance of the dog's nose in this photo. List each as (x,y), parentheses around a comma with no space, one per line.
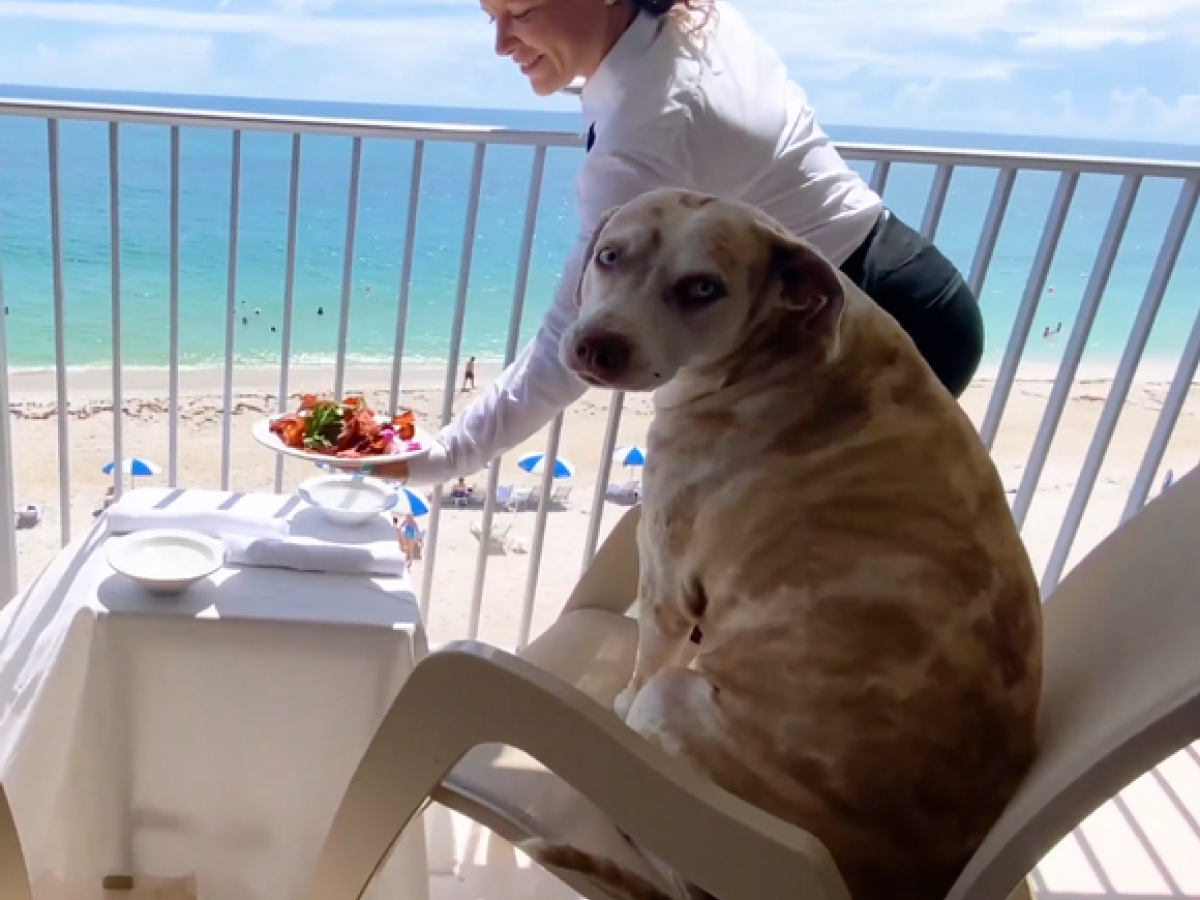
(605,353)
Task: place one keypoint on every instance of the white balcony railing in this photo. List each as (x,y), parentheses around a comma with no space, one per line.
(1062,176)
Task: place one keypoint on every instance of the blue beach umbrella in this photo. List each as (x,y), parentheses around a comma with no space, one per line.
(410,502)
(535,464)
(134,466)
(630,456)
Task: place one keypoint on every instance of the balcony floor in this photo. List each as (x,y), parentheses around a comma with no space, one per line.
(1145,843)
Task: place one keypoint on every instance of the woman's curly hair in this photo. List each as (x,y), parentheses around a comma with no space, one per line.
(693,15)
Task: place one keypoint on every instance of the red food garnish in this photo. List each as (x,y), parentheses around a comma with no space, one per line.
(348,430)
(405,425)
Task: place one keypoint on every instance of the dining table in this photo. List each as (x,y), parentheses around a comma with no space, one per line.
(204,740)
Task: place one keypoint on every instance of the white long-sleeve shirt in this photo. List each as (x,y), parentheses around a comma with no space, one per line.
(716,114)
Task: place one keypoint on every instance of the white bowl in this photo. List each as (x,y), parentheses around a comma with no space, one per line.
(166,560)
(348,500)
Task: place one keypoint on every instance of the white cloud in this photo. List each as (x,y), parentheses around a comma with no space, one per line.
(918,63)
(1087,37)
(297,27)
(169,62)
(1137,111)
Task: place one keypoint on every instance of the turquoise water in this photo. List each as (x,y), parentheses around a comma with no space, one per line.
(26,257)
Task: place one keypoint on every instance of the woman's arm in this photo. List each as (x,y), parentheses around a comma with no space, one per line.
(527,395)
(537,386)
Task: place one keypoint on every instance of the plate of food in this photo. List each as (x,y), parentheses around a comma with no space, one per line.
(344,433)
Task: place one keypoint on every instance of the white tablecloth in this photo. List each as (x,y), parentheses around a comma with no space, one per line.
(209,735)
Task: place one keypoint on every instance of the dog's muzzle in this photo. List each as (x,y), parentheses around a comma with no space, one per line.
(602,354)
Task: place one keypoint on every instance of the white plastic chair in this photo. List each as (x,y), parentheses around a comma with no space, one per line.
(1122,693)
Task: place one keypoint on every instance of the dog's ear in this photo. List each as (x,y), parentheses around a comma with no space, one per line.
(591,252)
(808,282)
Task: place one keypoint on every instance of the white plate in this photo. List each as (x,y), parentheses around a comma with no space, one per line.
(262,433)
(346,499)
(166,560)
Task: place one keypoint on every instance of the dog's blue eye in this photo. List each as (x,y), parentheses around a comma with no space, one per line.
(606,256)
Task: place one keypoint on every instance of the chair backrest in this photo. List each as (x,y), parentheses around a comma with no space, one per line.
(14,877)
(610,581)
(1122,684)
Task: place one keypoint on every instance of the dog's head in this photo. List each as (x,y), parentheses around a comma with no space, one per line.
(676,279)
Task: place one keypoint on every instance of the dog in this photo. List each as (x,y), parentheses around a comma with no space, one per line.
(823,514)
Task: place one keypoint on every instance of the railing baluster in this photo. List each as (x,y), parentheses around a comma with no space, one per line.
(1001,194)
(539,532)
(1065,380)
(173,327)
(289,290)
(456,329)
(1168,415)
(9,564)
(516,311)
(114,241)
(60,343)
(937,200)
(1156,289)
(600,494)
(1034,285)
(339,372)
(879,175)
(406,264)
(235,200)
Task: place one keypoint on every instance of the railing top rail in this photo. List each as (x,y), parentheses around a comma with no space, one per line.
(1046,162)
(191,118)
(203,118)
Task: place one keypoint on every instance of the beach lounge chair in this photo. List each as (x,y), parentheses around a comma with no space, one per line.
(499,536)
(520,499)
(561,496)
(628,493)
(503,493)
(27,517)
(531,748)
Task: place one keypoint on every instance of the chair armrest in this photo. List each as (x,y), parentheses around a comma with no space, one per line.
(470,694)
(611,580)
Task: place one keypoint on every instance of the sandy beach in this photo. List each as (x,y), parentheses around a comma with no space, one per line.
(145,427)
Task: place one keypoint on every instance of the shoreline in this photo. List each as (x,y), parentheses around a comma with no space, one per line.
(84,385)
(197,439)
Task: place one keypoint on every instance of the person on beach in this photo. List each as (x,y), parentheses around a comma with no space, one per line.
(469,375)
(408,535)
(684,94)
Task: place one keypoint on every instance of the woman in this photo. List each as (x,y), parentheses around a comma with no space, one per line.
(681,93)
(409,536)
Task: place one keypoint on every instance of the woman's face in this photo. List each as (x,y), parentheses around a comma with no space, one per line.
(556,41)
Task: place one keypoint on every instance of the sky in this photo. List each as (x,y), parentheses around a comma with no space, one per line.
(1110,69)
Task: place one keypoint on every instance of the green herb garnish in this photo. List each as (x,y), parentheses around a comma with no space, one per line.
(323,425)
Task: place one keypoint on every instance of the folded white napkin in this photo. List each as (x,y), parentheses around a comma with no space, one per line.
(216,523)
(311,555)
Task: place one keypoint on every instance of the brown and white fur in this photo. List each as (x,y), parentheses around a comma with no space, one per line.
(821,510)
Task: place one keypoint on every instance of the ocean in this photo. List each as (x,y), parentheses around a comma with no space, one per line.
(26,257)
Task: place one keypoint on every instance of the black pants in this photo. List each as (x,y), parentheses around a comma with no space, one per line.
(910,278)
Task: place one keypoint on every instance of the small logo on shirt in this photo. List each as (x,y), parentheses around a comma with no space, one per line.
(591,137)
